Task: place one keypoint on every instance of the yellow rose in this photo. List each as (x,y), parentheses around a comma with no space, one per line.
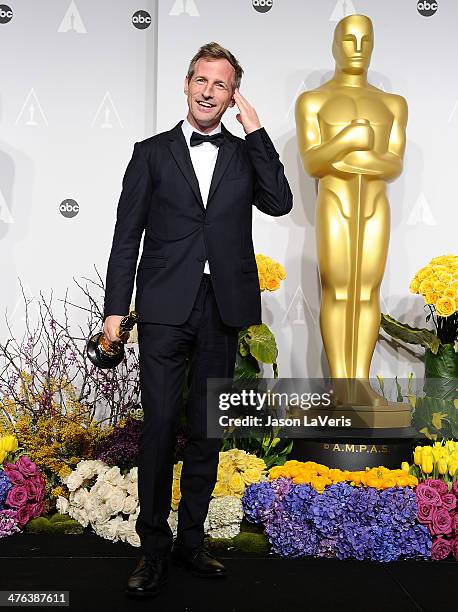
(236,484)
(220,490)
(9,444)
(431,297)
(414,285)
(251,475)
(426,286)
(445,306)
(272,283)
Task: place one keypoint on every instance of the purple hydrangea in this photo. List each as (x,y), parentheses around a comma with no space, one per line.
(257,501)
(291,536)
(5,486)
(8,523)
(344,521)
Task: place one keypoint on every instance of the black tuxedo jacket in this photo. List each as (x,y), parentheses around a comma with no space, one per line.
(160,196)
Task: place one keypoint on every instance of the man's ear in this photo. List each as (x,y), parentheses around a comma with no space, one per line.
(186,85)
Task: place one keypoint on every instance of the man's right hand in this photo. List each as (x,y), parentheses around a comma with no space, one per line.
(111,329)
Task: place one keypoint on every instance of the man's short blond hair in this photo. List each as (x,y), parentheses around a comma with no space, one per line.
(214,51)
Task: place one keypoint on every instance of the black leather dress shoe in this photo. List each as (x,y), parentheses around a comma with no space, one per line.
(198,561)
(148,577)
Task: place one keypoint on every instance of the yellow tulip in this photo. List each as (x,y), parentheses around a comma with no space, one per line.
(427,464)
(417,455)
(442,466)
(452,468)
(8,443)
(3,455)
(405,467)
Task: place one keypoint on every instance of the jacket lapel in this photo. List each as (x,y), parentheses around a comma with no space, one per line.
(225,153)
(180,152)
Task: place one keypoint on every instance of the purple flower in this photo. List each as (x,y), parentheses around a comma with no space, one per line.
(291,537)
(5,486)
(257,501)
(449,501)
(440,486)
(8,523)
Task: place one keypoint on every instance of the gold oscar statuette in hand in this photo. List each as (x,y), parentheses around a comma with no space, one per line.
(352,137)
(105,354)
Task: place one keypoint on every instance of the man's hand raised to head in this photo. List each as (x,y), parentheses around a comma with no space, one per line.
(111,329)
(247,115)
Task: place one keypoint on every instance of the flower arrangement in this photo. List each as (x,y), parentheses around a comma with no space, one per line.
(345,522)
(24,485)
(439,461)
(437,282)
(236,470)
(319,477)
(101,496)
(437,510)
(270,273)
(257,342)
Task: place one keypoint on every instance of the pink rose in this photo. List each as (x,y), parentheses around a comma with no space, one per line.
(17,496)
(425,512)
(36,509)
(455,488)
(15,476)
(449,501)
(442,522)
(26,466)
(440,486)
(33,488)
(455,523)
(455,548)
(23,515)
(441,549)
(428,494)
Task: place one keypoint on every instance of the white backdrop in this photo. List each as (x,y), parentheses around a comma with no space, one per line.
(80,84)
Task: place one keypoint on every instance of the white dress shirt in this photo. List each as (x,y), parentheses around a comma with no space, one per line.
(203,159)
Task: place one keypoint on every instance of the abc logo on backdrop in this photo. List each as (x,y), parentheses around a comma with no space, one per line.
(69,208)
(262,6)
(6,14)
(141,20)
(427,7)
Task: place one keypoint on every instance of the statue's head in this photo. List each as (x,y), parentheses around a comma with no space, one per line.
(353,44)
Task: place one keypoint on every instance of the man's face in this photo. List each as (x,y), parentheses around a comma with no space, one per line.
(209,92)
(353,44)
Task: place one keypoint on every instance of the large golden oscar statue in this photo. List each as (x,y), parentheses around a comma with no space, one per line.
(351,137)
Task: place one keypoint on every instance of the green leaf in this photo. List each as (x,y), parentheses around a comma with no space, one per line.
(411,335)
(262,343)
(246,367)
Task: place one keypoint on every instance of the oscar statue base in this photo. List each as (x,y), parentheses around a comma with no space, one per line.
(377,436)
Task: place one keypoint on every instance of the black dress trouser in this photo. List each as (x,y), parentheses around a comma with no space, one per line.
(211,346)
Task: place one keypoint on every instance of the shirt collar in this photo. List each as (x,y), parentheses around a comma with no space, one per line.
(188,129)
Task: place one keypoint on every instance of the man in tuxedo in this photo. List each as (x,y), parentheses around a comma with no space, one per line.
(190,190)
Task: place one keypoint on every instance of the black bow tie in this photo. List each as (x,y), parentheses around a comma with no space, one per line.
(215,139)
